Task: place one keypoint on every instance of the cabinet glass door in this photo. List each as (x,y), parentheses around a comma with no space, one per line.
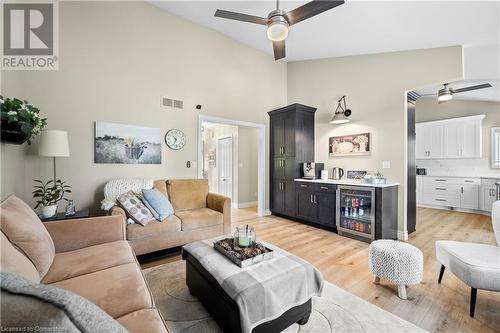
(356,210)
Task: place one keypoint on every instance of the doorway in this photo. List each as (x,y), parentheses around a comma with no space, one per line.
(248,169)
(225,169)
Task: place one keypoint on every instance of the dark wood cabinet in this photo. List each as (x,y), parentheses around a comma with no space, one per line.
(305,205)
(283,194)
(316,203)
(292,144)
(326,209)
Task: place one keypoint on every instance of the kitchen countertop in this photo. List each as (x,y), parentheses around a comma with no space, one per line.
(344,182)
(445,176)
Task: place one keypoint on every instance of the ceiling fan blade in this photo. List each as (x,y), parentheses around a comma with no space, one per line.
(240,17)
(479,86)
(279,50)
(311,9)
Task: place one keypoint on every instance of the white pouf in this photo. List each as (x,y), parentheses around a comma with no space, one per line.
(398,262)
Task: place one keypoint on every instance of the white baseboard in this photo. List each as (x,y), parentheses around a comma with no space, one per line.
(403,235)
(246,204)
(454,209)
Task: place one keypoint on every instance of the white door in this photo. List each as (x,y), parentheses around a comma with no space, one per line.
(435,143)
(469,197)
(225,166)
(471,139)
(453,138)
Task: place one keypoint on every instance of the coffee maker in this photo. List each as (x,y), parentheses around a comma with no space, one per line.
(312,170)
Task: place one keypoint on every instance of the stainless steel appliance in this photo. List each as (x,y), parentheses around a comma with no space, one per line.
(312,170)
(337,173)
(356,211)
(421,171)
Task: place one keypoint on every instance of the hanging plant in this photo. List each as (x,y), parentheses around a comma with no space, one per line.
(20,120)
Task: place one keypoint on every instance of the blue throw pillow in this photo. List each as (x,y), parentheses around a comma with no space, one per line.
(159,202)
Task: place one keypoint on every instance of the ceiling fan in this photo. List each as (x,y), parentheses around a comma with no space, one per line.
(446,93)
(278,21)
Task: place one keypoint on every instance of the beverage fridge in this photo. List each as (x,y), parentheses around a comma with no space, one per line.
(356,211)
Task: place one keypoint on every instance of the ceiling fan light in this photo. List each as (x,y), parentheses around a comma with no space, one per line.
(277,30)
(339,118)
(444,95)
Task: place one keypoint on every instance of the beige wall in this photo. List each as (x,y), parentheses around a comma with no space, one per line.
(248,140)
(427,109)
(116,60)
(375,87)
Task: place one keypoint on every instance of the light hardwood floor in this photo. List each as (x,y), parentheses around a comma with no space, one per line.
(344,262)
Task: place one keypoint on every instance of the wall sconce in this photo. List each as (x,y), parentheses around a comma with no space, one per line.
(341,113)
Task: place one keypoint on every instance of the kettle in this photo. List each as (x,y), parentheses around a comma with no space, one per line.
(337,173)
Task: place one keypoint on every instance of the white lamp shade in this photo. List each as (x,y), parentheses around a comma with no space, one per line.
(53,143)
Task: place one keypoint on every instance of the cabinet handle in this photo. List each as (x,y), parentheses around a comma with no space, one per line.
(440,180)
(462,190)
(439,199)
(315,198)
(312,199)
(324,188)
(302,185)
(283,150)
(469,181)
(440,188)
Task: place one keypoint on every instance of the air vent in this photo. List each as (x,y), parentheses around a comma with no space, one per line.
(413,96)
(178,104)
(167,102)
(170,102)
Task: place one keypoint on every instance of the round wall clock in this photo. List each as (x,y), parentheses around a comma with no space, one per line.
(175,139)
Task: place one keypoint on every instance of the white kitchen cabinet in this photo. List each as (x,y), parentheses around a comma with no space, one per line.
(469,197)
(449,138)
(462,137)
(488,197)
(455,192)
(420,190)
(429,140)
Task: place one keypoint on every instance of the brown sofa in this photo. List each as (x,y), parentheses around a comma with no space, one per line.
(198,215)
(89,257)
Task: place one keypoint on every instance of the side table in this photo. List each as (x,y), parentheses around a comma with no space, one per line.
(62,216)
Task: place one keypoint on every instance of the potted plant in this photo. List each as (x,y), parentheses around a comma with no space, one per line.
(48,194)
(19,121)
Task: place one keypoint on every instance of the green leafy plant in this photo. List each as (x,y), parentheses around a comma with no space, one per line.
(48,193)
(22,115)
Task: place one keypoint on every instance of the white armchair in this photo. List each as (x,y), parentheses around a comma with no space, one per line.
(477,265)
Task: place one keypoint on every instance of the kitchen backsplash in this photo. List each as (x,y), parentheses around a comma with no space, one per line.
(459,167)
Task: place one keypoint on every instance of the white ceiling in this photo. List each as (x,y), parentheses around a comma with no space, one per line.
(363,27)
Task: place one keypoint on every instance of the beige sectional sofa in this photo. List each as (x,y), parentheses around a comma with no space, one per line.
(89,257)
(198,215)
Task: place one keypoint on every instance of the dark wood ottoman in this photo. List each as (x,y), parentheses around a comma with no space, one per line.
(224,309)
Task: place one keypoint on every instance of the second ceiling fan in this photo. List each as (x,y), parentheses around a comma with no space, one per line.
(278,21)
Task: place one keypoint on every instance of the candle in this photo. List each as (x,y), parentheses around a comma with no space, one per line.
(244,240)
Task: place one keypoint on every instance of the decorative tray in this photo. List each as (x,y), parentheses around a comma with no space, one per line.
(243,257)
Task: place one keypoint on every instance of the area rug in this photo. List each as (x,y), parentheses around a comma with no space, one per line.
(335,311)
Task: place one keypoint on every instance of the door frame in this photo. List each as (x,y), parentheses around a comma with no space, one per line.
(219,164)
(261,155)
